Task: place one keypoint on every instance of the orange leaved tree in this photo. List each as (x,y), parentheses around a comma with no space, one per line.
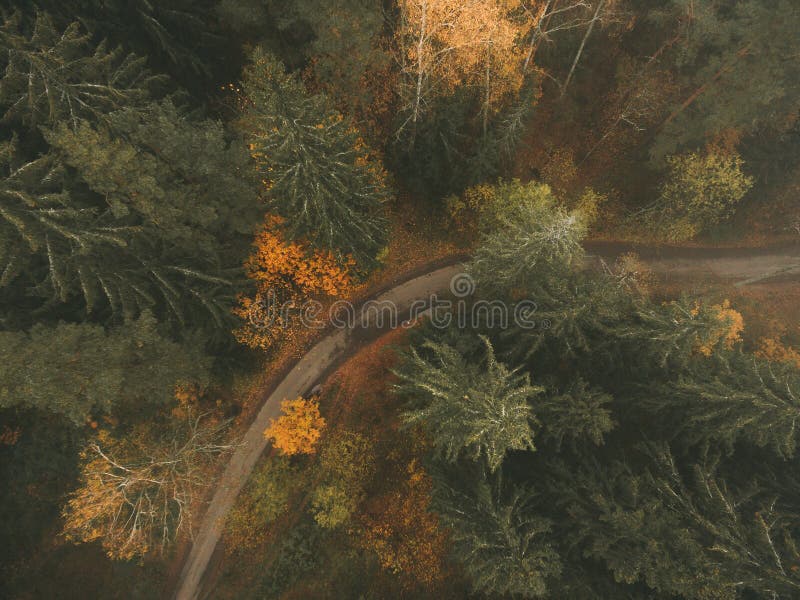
(298,429)
(445,44)
(774,350)
(287,273)
(139,491)
(728,332)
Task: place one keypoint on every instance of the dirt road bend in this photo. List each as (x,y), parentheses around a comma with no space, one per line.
(737,266)
(299,381)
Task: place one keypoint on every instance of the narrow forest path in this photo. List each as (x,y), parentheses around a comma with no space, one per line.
(737,266)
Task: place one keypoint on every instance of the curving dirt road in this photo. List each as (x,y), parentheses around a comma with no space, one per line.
(305,374)
(736,265)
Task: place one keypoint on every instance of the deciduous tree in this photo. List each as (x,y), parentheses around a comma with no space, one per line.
(443,44)
(298,429)
(700,191)
(138,492)
(346,462)
(287,274)
(775,350)
(265,498)
(405,533)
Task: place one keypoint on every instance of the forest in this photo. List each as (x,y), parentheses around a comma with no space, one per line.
(173,170)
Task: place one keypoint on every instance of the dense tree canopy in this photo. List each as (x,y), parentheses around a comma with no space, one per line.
(721,42)
(500,540)
(644,418)
(180,178)
(113,201)
(80,370)
(179,36)
(125,219)
(56,73)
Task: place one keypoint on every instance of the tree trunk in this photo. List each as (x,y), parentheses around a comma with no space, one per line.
(703,88)
(420,68)
(594,20)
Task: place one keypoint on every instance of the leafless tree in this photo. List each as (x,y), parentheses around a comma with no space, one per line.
(137,494)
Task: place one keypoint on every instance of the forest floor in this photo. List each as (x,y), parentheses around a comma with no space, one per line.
(695,265)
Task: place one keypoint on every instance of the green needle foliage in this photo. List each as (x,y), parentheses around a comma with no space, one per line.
(52,74)
(80,370)
(314,163)
(474,409)
(734,69)
(625,382)
(503,545)
(111,203)
(735,397)
(654,457)
(128,222)
(528,237)
(580,412)
(179,36)
(124,222)
(683,531)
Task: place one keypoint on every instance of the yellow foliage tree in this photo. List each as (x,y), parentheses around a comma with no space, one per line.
(444,44)
(267,496)
(700,191)
(298,429)
(465,211)
(346,462)
(138,492)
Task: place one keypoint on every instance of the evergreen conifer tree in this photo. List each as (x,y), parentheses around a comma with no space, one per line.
(473,409)
(319,174)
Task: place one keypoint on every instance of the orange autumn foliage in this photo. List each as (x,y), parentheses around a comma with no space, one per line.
(445,44)
(492,60)
(138,491)
(729,331)
(404,533)
(187,398)
(287,273)
(279,263)
(9,436)
(298,429)
(774,350)
(734,323)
